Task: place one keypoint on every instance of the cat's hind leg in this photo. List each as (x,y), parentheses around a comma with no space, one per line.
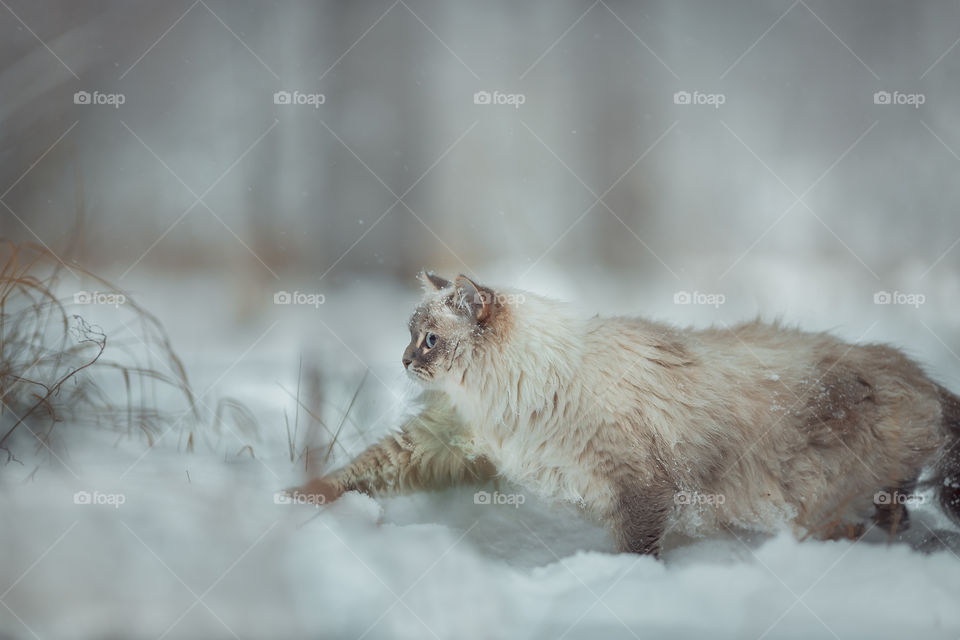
(639,517)
(891,509)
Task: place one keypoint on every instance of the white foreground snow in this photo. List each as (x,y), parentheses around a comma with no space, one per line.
(199,548)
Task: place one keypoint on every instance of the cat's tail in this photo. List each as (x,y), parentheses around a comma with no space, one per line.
(947,469)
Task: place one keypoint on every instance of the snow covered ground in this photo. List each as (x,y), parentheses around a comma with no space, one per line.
(193,545)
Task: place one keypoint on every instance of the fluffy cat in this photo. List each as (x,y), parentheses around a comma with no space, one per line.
(648,427)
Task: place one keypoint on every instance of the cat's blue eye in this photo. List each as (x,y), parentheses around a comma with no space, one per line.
(431,339)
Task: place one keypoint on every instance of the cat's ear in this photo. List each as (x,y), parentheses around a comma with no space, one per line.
(473,299)
(432,282)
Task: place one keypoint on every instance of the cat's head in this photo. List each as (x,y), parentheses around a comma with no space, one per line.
(452,327)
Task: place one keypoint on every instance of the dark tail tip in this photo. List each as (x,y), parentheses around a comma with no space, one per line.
(947,471)
(949,496)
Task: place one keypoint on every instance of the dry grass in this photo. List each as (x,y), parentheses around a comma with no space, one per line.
(313,444)
(55,365)
(60,371)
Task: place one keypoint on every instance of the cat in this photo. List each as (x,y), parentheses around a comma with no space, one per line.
(650,428)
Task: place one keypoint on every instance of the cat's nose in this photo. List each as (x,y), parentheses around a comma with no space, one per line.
(406,362)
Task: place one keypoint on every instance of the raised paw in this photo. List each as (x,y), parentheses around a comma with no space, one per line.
(318,491)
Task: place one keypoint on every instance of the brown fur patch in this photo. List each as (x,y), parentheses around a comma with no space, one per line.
(640,516)
(838,406)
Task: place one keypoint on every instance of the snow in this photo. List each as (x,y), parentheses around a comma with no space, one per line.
(199,548)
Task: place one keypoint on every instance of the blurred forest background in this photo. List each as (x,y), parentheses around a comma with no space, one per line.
(398,168)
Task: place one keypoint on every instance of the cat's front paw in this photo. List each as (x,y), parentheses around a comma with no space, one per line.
(318,491)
